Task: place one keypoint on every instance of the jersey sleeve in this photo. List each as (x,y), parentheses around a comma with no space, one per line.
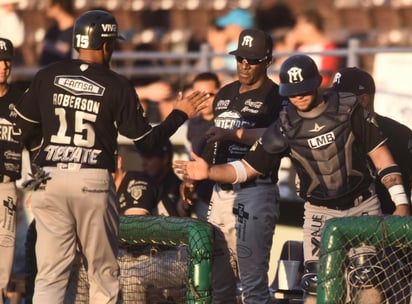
(131,120)
(261,160)
(28,113)
(366,129)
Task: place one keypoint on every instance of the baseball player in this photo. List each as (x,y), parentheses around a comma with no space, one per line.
(329,139)
(10,165)
(361,83)
(197,128)
(158,165)
(80,106)
(244,215)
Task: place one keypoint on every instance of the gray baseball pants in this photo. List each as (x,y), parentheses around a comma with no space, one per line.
(244,220)
(76,209)
(8,199)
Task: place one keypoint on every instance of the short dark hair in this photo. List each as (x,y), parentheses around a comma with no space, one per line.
(207,76)
(312,16)
(66,5)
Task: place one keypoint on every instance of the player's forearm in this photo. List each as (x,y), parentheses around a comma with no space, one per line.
(390,176)
(248,136)
(234,172)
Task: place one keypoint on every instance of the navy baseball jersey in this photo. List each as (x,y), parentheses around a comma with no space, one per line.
(74,110)
(10,149)
(233,110)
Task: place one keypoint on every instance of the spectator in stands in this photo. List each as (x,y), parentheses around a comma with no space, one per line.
(310,37)
(197,128)
(12,26)
(57,43)
(233,23)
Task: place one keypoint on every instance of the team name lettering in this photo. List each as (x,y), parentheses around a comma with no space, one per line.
(77,103)
(57,153)
(78,85)
(231,123)
(321,140)
(6,133)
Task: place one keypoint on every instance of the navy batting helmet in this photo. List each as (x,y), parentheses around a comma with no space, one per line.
(298,74)
(93,28)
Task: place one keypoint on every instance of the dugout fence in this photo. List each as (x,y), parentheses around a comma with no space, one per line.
(366,259)
(176,231)
(163,260)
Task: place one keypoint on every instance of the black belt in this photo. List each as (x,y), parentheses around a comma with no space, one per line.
(346,205)
(228,187)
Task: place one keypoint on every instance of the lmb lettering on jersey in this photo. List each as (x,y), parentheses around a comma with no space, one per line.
(321,140)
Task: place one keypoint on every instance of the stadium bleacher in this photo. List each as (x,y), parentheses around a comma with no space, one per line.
(377,22)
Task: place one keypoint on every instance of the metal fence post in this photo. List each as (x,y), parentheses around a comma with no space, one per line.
(353,54)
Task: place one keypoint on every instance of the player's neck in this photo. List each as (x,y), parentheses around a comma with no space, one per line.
(4,88)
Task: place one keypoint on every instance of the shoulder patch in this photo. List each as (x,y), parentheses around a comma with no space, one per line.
(79,85)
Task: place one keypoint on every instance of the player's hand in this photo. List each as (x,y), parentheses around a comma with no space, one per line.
(187,190)
(216,134)
(402,210)
(197,169)
(192,104)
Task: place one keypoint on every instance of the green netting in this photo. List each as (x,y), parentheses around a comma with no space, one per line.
(175,231)
(385,244)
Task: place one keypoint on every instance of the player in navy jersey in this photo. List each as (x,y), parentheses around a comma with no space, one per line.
(10,165)
(80,106)
(244,215)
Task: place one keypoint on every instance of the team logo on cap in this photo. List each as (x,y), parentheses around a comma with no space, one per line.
(247,41)
(3,45)
(295,75)
(337,78)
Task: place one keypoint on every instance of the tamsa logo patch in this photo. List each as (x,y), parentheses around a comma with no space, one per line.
(321,140)
(79,85)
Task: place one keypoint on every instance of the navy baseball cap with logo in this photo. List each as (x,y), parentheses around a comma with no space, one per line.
(6,49)
(298,74)
(354,80)
(254,44)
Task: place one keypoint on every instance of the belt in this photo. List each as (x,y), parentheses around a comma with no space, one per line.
(346,205)
(229,187)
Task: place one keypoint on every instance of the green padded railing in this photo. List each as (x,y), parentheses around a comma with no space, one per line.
(341,234)
(175,231)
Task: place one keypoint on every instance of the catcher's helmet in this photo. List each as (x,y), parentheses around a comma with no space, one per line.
(298,74)
(93,28)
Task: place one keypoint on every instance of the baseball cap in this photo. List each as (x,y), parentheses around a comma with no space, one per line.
(165,147)
(6,49)
(238,16)
(354,80)
(298,74)
(253,44)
